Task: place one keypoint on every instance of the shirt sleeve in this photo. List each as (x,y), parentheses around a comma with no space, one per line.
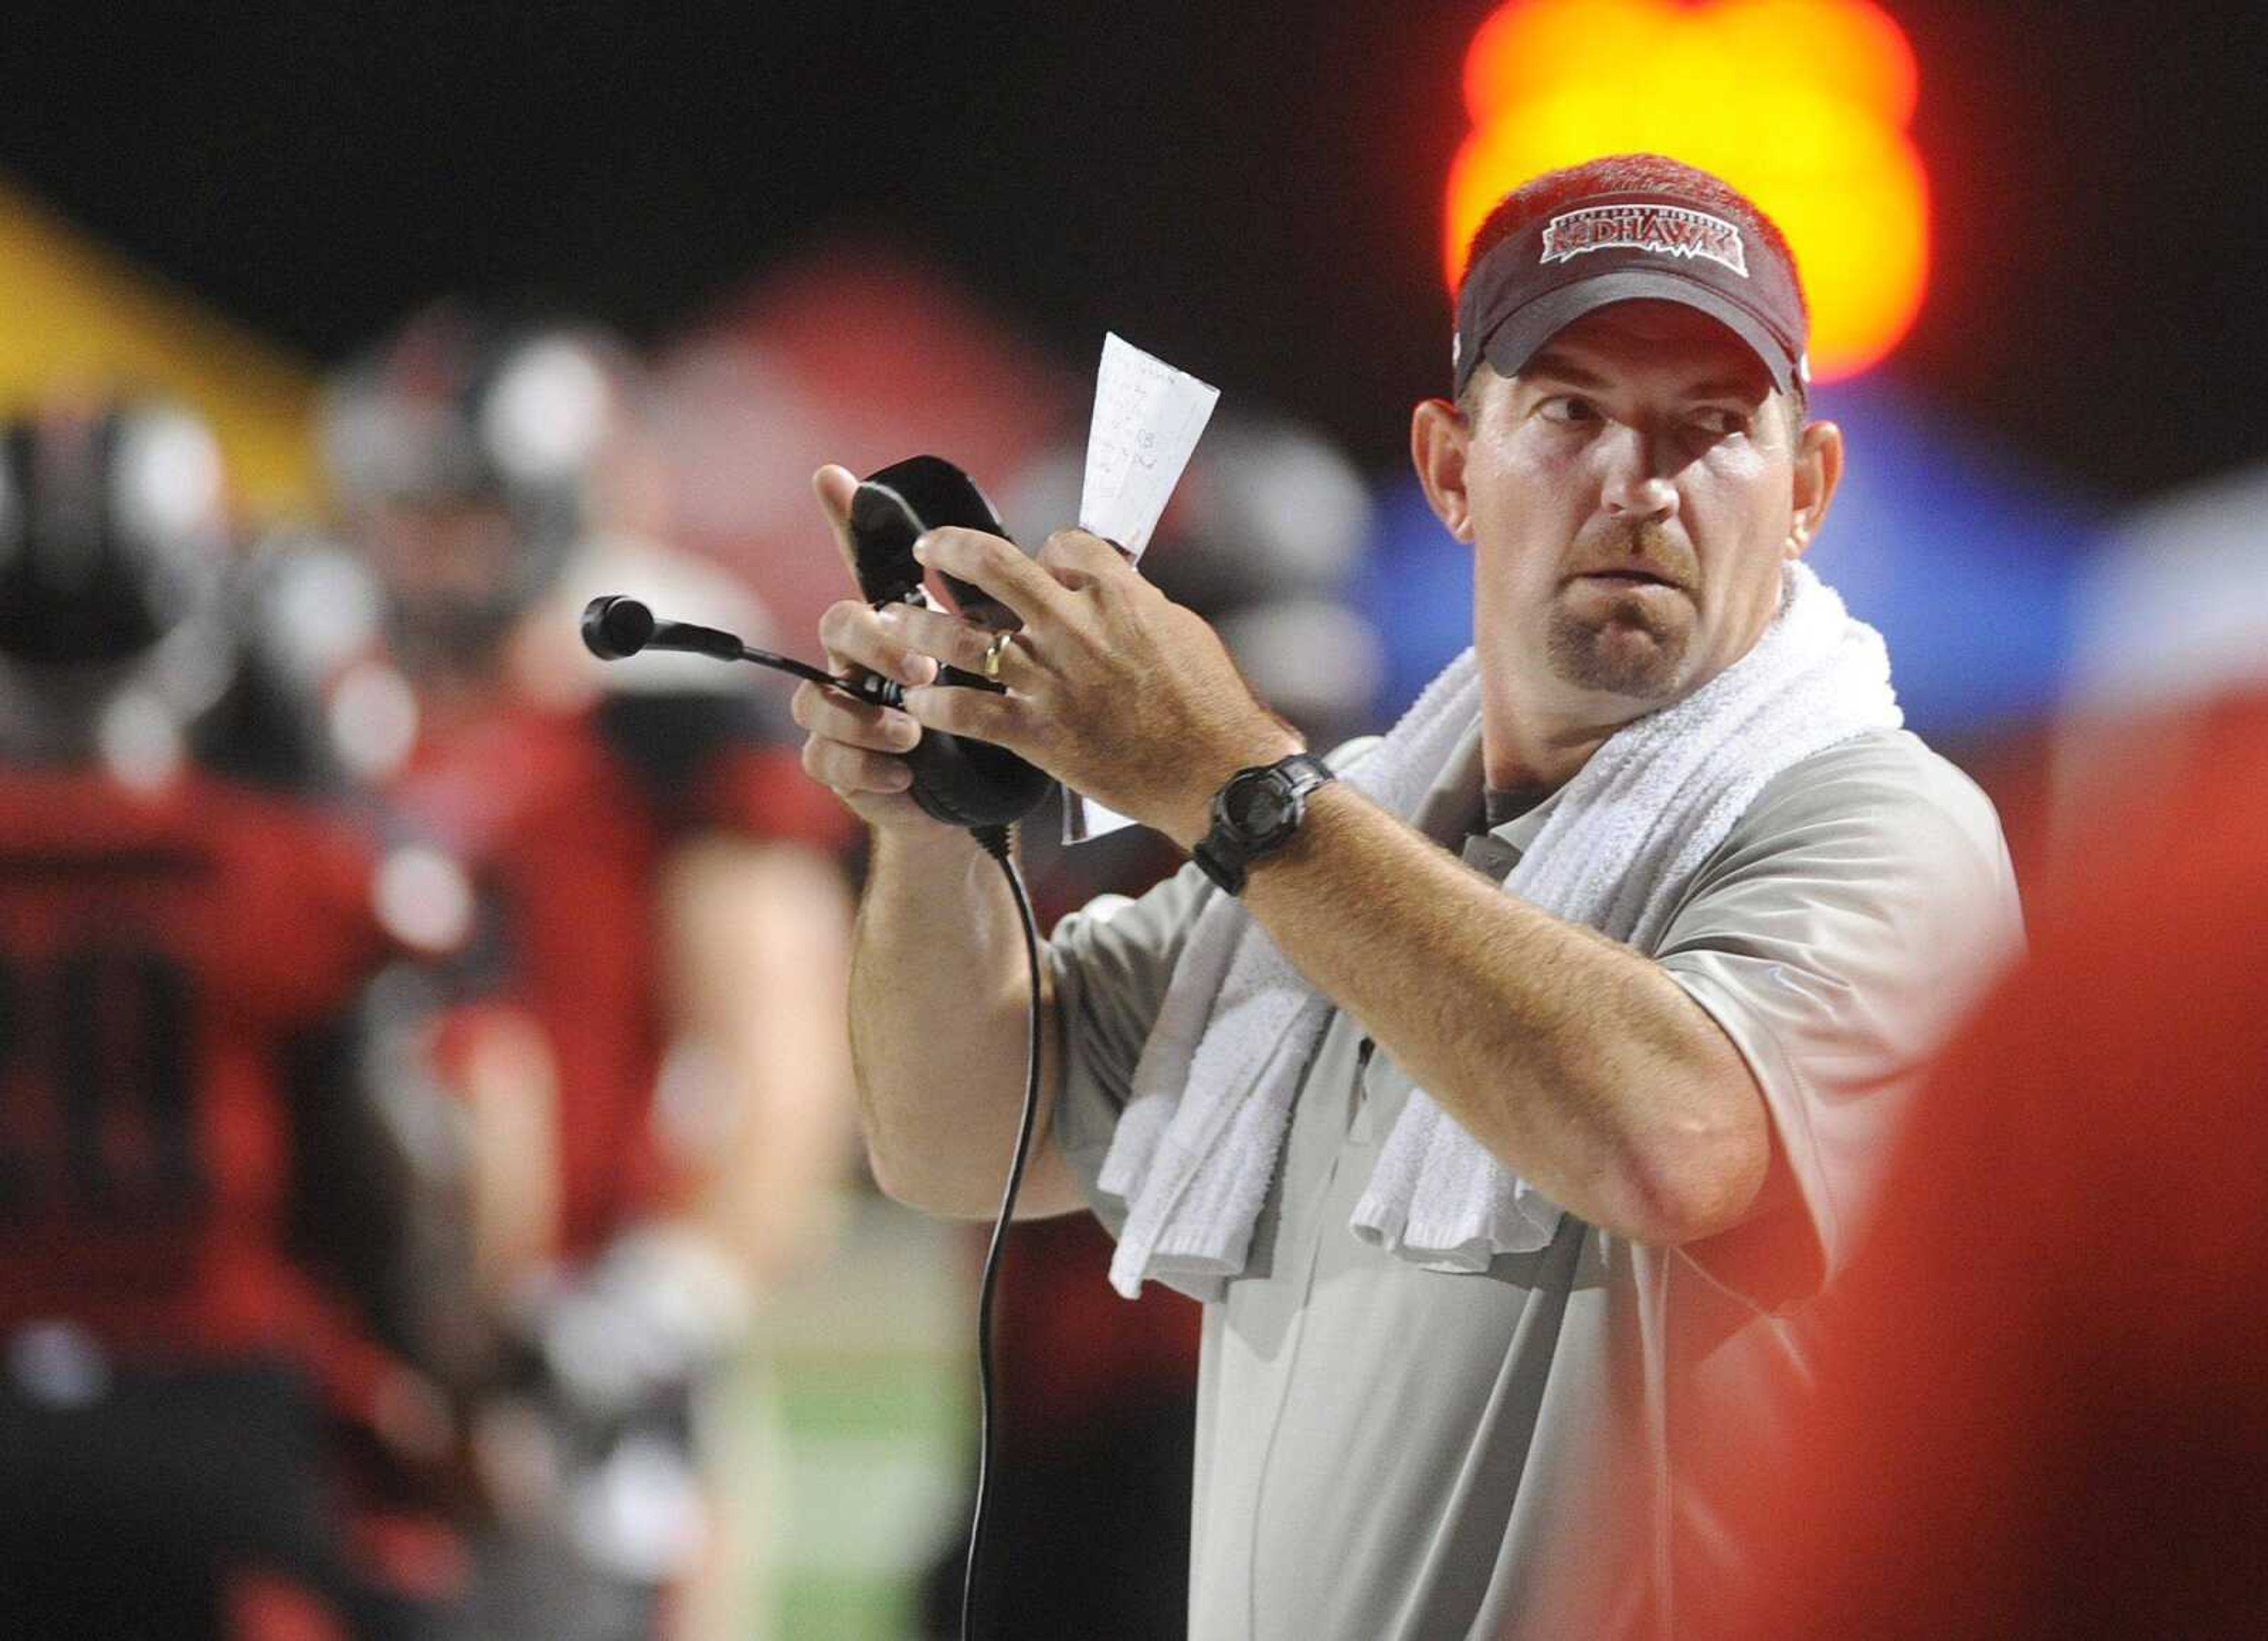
(1111,961)
(1837,937)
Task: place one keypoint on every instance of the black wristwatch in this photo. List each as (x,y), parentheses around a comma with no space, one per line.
(1254,813)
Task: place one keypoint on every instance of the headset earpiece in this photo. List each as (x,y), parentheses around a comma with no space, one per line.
(963,782)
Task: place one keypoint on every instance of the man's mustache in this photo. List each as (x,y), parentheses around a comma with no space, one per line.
(1639,547)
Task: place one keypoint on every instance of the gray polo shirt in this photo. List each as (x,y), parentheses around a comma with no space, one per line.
(1390,1454)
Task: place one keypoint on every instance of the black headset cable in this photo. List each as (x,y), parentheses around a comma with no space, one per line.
(995,843)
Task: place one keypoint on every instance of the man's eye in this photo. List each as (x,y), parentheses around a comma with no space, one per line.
(1568,408)
(1718,422)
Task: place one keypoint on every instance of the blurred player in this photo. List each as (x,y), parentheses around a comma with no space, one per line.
(201,1205)
(659,894)
(2039,1408)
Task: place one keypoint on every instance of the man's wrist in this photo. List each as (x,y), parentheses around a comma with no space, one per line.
(1194,814)
(924,850)
(1326,814)
(1258,813)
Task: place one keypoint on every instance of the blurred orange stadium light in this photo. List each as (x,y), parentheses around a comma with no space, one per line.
(1800,104)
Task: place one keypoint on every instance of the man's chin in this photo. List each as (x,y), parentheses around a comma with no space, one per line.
(1619,657)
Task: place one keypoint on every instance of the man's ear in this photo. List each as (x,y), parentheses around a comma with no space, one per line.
(1818,470)
(1438,436)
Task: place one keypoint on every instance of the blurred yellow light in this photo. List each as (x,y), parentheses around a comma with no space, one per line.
(1800,104)
(81,321)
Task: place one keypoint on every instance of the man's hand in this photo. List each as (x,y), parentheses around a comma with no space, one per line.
(1112,688)
(854,745)
(938,975)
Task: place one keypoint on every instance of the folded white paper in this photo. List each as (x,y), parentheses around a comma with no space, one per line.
(1147,419)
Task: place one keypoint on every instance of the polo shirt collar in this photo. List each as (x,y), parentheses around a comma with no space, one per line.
(1451,811)
(1522,829)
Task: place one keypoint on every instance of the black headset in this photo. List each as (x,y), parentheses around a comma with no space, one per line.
(969,783)
(962,782)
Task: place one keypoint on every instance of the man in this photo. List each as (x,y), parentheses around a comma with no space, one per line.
(660,900)
(1506,1182)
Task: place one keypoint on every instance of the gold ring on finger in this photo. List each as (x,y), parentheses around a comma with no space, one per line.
(994,650)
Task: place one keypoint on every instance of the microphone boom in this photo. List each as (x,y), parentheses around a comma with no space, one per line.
(616,627)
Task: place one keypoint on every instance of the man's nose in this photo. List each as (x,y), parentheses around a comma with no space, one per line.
(1635,482)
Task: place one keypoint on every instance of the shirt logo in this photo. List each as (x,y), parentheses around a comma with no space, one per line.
(1669,229)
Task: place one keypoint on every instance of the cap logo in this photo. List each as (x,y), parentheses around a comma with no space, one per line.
(1669,229)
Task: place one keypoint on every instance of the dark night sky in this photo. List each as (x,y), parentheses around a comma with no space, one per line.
(1249,189)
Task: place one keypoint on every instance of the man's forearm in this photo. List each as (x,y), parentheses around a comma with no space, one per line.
(940,1000)
(1574,1060)
(1577,1062)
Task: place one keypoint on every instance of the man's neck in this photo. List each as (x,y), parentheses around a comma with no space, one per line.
(1536,753)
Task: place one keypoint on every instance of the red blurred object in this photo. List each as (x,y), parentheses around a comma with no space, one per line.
(1071,1349)
(856,354)
(563,839)
(164,951)
(2041,1410)
(264,1607)
(411,1553)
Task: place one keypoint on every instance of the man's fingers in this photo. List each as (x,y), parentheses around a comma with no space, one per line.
(832,715)
(835,485)
(853,634)
(977,712)
(1076,556)
(851,771)
(952,639)
(995,566)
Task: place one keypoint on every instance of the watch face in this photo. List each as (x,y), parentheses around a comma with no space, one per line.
(1258,807)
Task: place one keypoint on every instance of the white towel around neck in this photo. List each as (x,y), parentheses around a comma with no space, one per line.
(1197,1144)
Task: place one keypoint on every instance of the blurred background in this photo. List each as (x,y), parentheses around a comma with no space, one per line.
(436,319)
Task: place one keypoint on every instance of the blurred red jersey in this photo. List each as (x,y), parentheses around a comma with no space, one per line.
(565,820)
(2041,1407)
(163,957)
